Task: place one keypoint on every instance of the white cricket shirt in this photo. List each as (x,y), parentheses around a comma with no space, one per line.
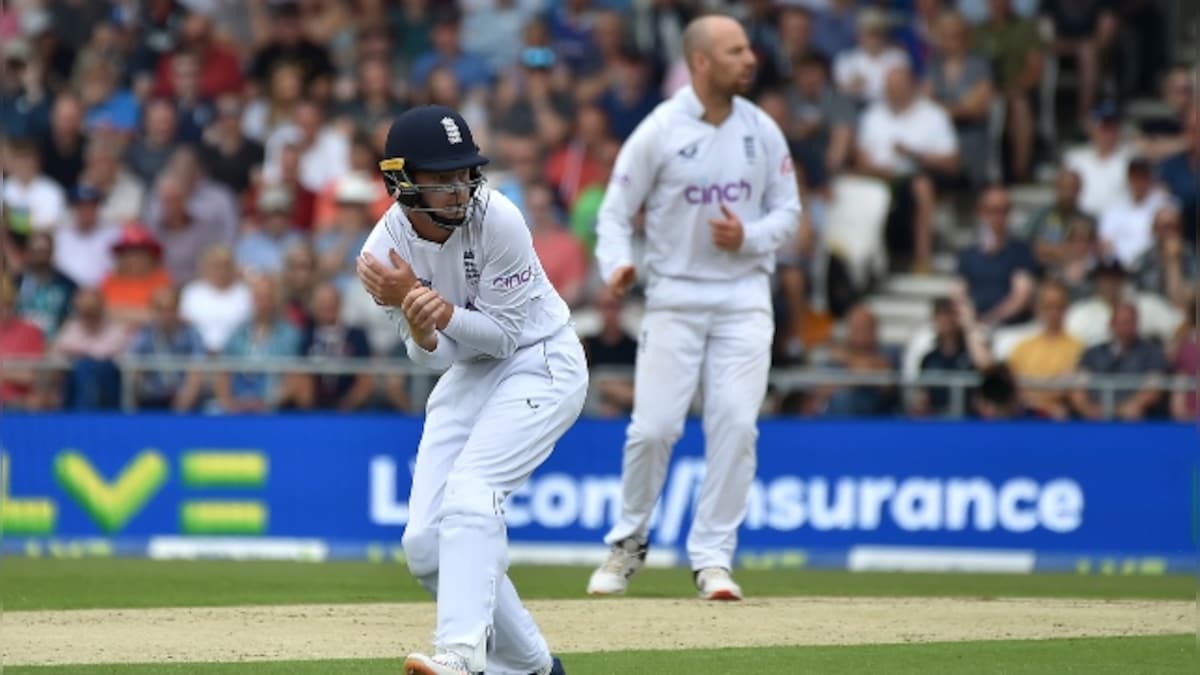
(683,169)
(488,270)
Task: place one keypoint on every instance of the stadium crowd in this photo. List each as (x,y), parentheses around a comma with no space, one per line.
(196,178)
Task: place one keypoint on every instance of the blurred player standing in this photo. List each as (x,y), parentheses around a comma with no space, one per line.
(454,266)
(714,174)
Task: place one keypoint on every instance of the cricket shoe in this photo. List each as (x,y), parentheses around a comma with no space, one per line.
(625,558)
(440,664)
(714,583)
(555,668)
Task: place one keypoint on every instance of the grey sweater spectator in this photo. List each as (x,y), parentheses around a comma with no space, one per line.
(190,213)
(1170,268)
(167,335)
(1125,354)
(150,150)
(961,82)
(997,272)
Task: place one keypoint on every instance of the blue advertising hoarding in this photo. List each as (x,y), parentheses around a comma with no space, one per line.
(826,493)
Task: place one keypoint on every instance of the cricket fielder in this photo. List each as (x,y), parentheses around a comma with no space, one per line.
(715,177)
(453,264)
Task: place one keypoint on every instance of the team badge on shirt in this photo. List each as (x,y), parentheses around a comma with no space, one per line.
(469,267)
(689,151)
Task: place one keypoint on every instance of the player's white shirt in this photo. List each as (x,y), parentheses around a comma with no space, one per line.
(683,168)
(488,270)
(924,127)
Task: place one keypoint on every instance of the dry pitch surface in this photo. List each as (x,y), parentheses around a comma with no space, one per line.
(390,630)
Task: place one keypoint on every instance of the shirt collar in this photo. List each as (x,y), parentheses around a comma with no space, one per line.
(689,102)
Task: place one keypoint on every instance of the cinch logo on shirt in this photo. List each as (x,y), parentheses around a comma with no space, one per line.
(514,280)
(729,192)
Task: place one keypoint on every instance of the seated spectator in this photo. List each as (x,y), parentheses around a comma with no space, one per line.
(1125,226)
(189,214)
(906,140)
(800,326)
(274,108)
(860,353)
(109,106)
(364,161)
(287,43)
(998,271)
(298,282)
(193,110)
(563,257)
(1089,319)
(83,245)
(822,128)
(999,395)
(1084,32)
(1181,173)
(961,82)
(91,340)
(631,96)
(43,292)
(337,248)
(167,336)
(1052,353)
(217,303)
(611,348)
(26,186)
(834,28)
(328,338)
(1162,136)
(147,155)
(1051,226)
(535,100)
(219,70)
(18,339)
(577,164)
(916,33)
(122,191)
(374,100)
(226,153)
(1103,164)
(324,149)
(61,148)
(260,249)
(861,72)
(1013,45)
(470,69)
(1125,354)
(266,336)
(958,347)
(138,273)
(1185,404)
(1170,268)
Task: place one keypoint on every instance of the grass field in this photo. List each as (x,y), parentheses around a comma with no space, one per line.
(35,592)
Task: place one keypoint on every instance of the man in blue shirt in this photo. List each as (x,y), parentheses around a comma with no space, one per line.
(471,70)
(998,271)
(167,335)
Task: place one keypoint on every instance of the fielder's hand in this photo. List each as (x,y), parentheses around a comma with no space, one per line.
(388,286)
(728,232)
(424,309)
(622,278)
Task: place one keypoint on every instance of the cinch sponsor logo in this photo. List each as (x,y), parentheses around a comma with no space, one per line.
(729,192)
(785,503)
(513,280)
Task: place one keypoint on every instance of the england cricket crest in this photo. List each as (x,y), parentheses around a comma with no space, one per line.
(471,271)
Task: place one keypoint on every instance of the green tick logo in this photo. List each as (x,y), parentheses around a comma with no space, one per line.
(111,505)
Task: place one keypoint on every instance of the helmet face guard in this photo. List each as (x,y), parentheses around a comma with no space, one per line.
(411,195)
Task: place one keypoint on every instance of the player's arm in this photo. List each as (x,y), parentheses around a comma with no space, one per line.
(781,199)
(633,176)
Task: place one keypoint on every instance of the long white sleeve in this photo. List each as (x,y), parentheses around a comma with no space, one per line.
(632,179)
(781,200)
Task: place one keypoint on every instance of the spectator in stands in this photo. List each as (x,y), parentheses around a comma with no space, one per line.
(275,108)
(917,33)
(1013,45)
(138,273)
(218,302)
(61,147)
(328,338)
(261,247)
(536,99)
(1169,268)
(1125,226)
(860,353)
(18,339)
(109,107)
(861,73)
(193,111)
(776,69)
(227,155)
(470,69)
(25,186)
(123,192)
(800,326)
(338,248)
(363,161)
(23,102)
(324,149)
(959,347)
(961,82)
(83,244)
(1089,319)
(999,396)
(267,336)
(288,44)
(907,140)
(1163,135)
(298,282)
(612,348)
(1125,354)
(374,100)
(1143,43)
(43,292)
(998,272)
(167,335)
(1050,354)
(303,200)
(1103,164)
(1051,227)
(1084,32)
(570,28)
(822,122)
(1185,361)
(147,155)
(219,70)
(1181,173)
(563,257)
(488,30)
(183,234)
(630,95)
(835,28)
(578,164)
(91,339)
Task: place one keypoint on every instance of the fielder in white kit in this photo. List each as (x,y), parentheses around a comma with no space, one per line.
(715,177)
(453,264)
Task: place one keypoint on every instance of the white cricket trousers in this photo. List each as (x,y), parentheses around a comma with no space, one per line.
(728,355)
(488,425)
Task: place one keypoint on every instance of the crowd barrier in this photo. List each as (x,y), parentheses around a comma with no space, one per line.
(1015,497)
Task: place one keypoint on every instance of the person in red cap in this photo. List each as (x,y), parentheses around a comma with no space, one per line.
(139,272)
